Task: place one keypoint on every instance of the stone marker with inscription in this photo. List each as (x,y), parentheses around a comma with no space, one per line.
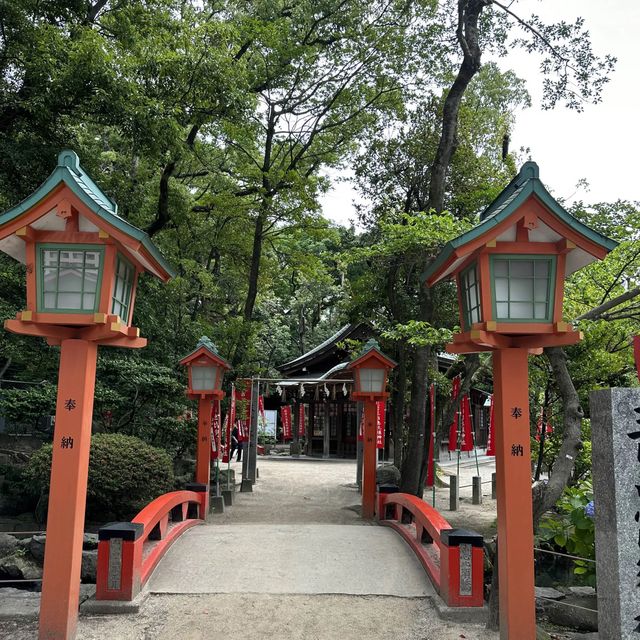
(615,436)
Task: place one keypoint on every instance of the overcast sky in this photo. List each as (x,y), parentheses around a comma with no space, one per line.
(601,144)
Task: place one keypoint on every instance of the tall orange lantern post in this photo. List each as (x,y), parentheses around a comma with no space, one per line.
(82,263)
(206,370)
(510,272)
(371,369)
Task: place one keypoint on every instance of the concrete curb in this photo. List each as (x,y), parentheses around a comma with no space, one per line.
(473,615)
(93,607)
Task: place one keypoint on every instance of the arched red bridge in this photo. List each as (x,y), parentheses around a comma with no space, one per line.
(416,553)
(296,549)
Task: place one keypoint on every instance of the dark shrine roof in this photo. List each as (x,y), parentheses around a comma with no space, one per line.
(326,355)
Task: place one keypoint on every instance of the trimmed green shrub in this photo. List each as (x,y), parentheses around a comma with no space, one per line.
(125,474)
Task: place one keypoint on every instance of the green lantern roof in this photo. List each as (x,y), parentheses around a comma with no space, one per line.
(205,346)
(525,185)
(69,172)
(208,344)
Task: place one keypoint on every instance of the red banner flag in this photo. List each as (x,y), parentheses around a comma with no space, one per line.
(285,416)
(229,420)
(548,429)
(466,443)
(453,429)
(215,430)
(380,421)
(243,419)
(301,421)
(491,438)
(432,440)
(261,414)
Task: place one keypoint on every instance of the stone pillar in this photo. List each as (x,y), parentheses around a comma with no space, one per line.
(251,451)
(615,437)
(454,493)
(476,484)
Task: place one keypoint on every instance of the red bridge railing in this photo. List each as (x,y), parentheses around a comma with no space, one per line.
(453,558)
(128,552)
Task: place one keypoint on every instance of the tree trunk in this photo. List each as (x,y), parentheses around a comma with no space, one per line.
(413,465)
(542,435)
(547,495)
(470,365)
(397,403)
(467,33)
(254,270)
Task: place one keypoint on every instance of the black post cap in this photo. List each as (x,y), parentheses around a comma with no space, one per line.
(388,488)
(456,537)
(198,487)
(129,531)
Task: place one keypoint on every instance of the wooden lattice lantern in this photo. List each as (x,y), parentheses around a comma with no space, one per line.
(206,370)
(371,370)
(510,272)
(82,260)
(510,269)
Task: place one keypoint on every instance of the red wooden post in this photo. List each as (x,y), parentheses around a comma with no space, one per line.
(203,453)
(513,472)
(369,459)
(67,495)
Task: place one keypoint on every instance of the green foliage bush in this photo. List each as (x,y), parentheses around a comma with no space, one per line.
(571,528)
(125,474)
(141,398)
(25,406)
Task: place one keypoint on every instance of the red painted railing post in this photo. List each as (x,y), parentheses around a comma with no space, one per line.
(203,491)
(461,568)
(119,561)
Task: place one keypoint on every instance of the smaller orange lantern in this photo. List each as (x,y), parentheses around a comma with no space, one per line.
(371,370)
(206,370)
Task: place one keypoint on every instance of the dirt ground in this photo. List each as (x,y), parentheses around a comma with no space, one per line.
(267,617)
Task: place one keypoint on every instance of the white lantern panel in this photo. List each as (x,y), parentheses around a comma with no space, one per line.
(470,296)
(521,310)
(502,289)
(68,279)
(522,288)
(122,289)
(203,378)
(371,380)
